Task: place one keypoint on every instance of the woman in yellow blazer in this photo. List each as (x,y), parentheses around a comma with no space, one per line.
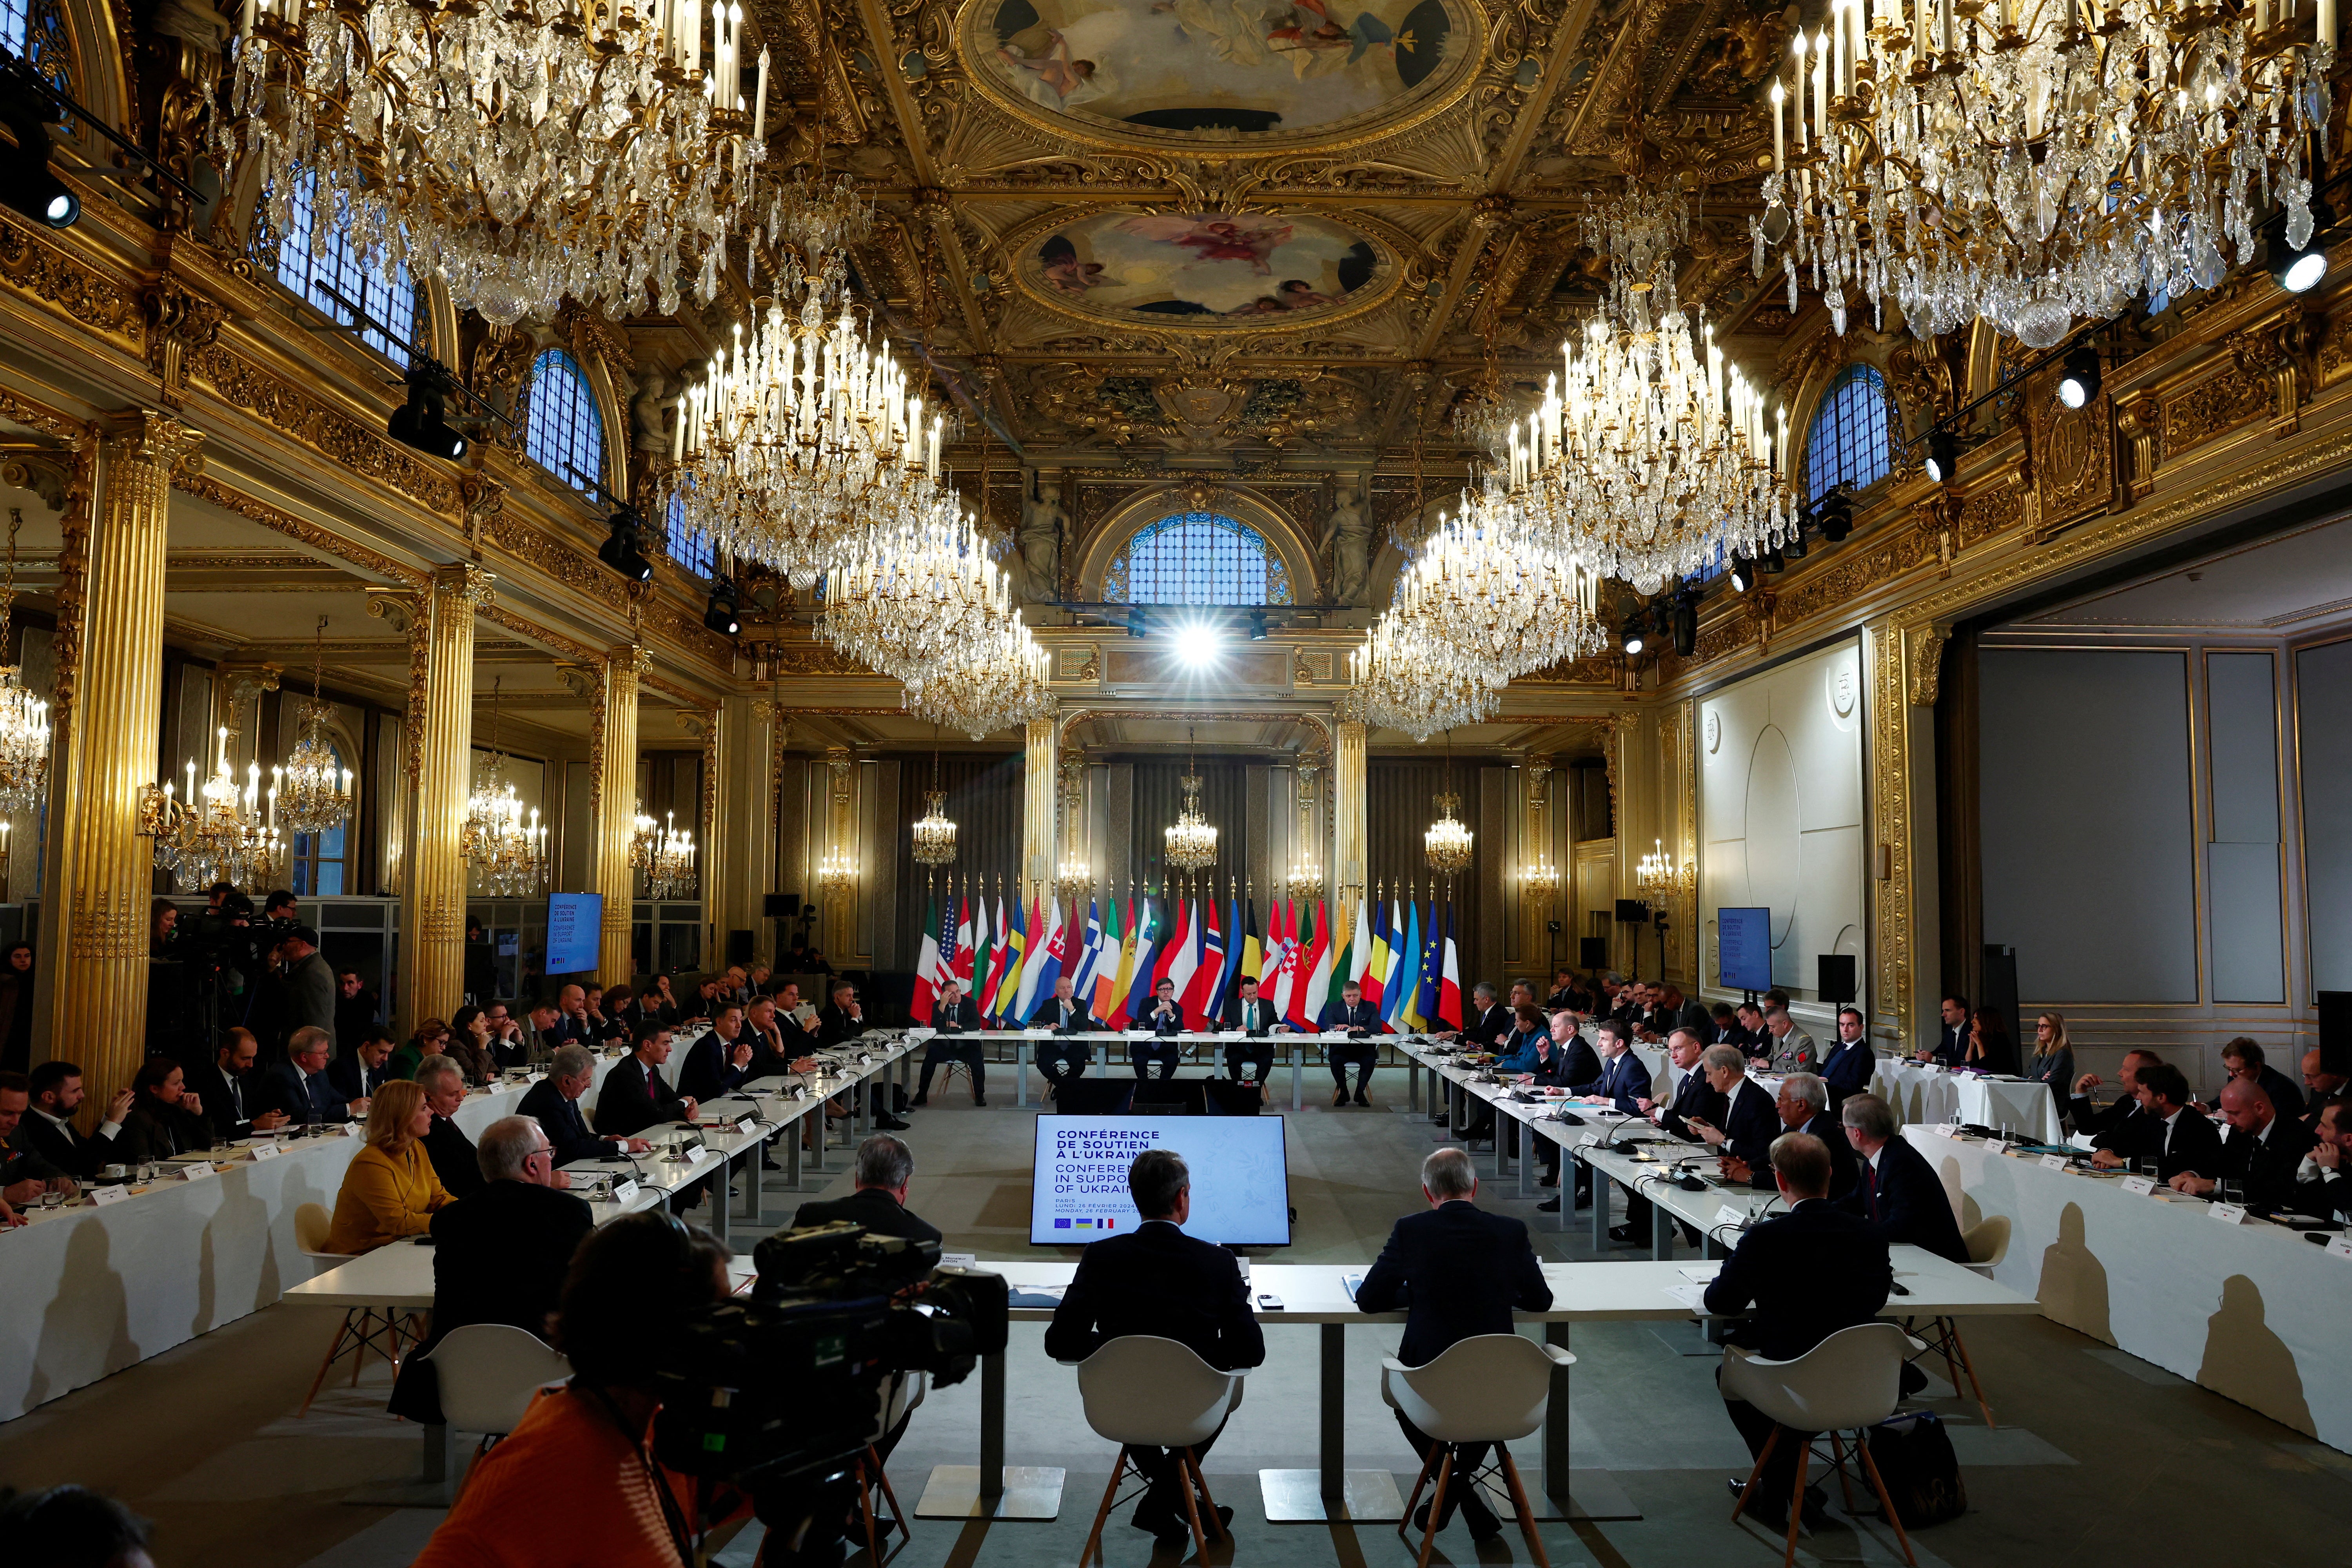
(389,1190)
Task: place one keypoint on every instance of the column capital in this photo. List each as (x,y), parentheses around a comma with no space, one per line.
(585,681)
(399,608)
(630,656)
(463,582)
(149,436)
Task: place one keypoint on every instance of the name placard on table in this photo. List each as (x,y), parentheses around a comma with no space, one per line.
(2143,1186)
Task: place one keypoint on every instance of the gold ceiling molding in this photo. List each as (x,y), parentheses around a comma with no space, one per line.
(205,487)
(20,409)
(361,448)
(1319,723)
(496,612)
(534,547)
(70,285)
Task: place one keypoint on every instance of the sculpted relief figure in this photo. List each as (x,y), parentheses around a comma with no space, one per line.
(1036,546)
(1348,534)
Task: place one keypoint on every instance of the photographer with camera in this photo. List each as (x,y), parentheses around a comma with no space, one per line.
(306,984)
(636,1289)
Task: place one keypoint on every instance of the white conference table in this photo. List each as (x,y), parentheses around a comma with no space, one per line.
(1923,1093)
(1315,1295)
(1109,1048)
(2250,1310)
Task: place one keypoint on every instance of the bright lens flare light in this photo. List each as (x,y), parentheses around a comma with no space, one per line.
(1196,645)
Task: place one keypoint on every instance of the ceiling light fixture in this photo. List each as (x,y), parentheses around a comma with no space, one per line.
(422,421)
(724,613)
(1943,461)
(2080,383)
(2297,268)
(27,183)
(624,548)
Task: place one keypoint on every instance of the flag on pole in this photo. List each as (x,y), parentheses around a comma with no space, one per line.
(1359,949)
(1317,994)
(926,967)
(1200,992)
(1449,981)
(1000,956)
(963,939)
(1181,959)
(1277,962)
(1088,951)
(1253,950)
(1016,942)
(1110,974)
(1230,980)
(1432,959)
(1342,961)
(1404,974)
(1033,960)
(1376,961)
(1148,938)
(1298,968)
(1051,955)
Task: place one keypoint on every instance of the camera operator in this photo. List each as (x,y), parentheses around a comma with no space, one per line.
(306,982)
(633,1288)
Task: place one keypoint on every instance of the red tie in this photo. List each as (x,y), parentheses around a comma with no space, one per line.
(1873,1192)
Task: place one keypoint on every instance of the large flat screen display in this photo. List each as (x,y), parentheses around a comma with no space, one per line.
(1743,949)
(1241,1177)
(573,921)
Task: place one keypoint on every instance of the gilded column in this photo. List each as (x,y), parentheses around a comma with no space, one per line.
(1038,803)
(1347,805)
(103,871)
(616,808)
(441,759)
(715,875)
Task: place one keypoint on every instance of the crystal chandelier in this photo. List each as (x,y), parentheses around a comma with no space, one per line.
(1491,597)
(1402,681)
(1446,844)
(839,871)
(1540,881)
(914,591)
(1073,878)
(1303,880)
(1650,458)
(221,833)
(821,221)
(935,834)
(797,438)
(1192,843)
(521,154)
(2030,164)
(665,853)
(314,795)
(23,718)
(1659,877)
(507,852)
(996,682)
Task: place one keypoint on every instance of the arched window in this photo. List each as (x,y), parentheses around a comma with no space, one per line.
(320,267)
(563,432)
(35,32)
(1849,441)
(319,858)
(1197,558)
(692,551)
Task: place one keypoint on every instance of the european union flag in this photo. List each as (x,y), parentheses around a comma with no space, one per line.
(1061,1224)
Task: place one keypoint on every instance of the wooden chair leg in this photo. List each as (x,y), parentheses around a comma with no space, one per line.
(1845,1481)
(1191,1506)
(1520,1502)
(1436,1507)
(882,1479)
(1428,1462)
(325,1366)
(1771,1441)
(1797,1502)
(1878,1484)
(866,1512)
(1094,1538)
(1961,1347)
(1214,1525)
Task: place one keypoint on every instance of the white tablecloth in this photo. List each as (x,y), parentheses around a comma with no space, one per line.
(85,1291)
(1921,1093)
(2252,1311)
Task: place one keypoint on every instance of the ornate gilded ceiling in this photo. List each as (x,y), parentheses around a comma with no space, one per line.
(1276,230)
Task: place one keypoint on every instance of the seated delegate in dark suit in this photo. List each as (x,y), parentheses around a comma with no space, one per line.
(1802,1105)
(2262,1156)
(55,1094)
(2169,1131)
(1800,1278)
(2243,1058)
(162,1120)
(1848,1066)
(1157,1280)
(1063,1059)
(1157,1056)
(636,1095)
(1252,1015)
(840,1021)
(1623,1081)
(360,1072)
(233,1089)
(1749,1122)
(1690,1096)
(1361,1020)
(2322,1188)
(554,1103)
(956,1017)
(499,1256)
(300,1087)
(878,1202)
(2096,1121)
(1494,1024)
(1951,1046)
(718,1062)
(1896,1191)
(1458,1272)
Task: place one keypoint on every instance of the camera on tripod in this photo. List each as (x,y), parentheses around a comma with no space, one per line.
(778,1394)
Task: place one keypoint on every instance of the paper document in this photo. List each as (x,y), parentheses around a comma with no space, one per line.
(1036,1295)
(1701,1271)
(1692,1294)
(1355,1282)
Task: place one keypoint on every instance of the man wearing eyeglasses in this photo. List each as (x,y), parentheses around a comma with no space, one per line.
(503,1259)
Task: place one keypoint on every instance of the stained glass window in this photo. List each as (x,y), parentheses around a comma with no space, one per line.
(35,31)
(692,551)
(563,432)
(1197,558)
(1848,443)
(332,265)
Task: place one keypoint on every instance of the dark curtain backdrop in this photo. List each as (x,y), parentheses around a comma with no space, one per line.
(1160,795)
(1398,807)
(984,803)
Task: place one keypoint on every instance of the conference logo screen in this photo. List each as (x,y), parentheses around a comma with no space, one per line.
(1241,1177)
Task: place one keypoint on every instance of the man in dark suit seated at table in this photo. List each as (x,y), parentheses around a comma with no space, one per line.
(2243,1059)
(1361,1020)
(500,1256)
(1803,1107)
(2261,1157)
(2170,1129)
(2097,1122)
(300,1087)
(720,1061)
(455,1158)
(1800,1278)
(1951,1046)
(956,1023)
(1254,1016)
(842,1020)
(54,1094)
(1688,1094)
(1062,1060)
(2319,1087)
(554,1103)
(358,1073)
(233,1088)
(2322,1188)
(1896,1191)
(1494,1022)
(1165,1019)
(884,1167)
(1157,1280)
(636,1095)
(1620,1083)
(1848,1066)
(1749,1122)
(1458,1272)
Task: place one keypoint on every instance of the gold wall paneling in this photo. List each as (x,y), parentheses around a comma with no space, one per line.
(984,799)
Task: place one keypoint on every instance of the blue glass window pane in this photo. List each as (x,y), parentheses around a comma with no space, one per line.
(563,432)
(692,551)
(1849,440)
(1197,558)
(335,266)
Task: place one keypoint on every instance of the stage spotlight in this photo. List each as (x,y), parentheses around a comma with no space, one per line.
(2081,382)
(26,181)
(1834,517)
(1257,625)
(422,421)
(622,549)
(1682,621)
(1137,626)
(2298,271)
(1943,464)
(1743,576)
(721,616)
(1196,644)
(1635,639)
(1772,564)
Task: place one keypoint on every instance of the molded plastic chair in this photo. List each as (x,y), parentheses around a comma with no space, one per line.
(486,1374)
(1487,1389)
(1143,1391)
(1987,1244)
(364,1329)
(1851,1381)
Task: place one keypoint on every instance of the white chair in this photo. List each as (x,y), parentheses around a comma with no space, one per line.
(1987,1244)
(1487,1389)
(1850,1381)
(900,1394)
(487,1373)
(364,1329)
(1142,1391)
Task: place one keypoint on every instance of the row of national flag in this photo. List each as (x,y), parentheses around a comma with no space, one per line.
(1008,962)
